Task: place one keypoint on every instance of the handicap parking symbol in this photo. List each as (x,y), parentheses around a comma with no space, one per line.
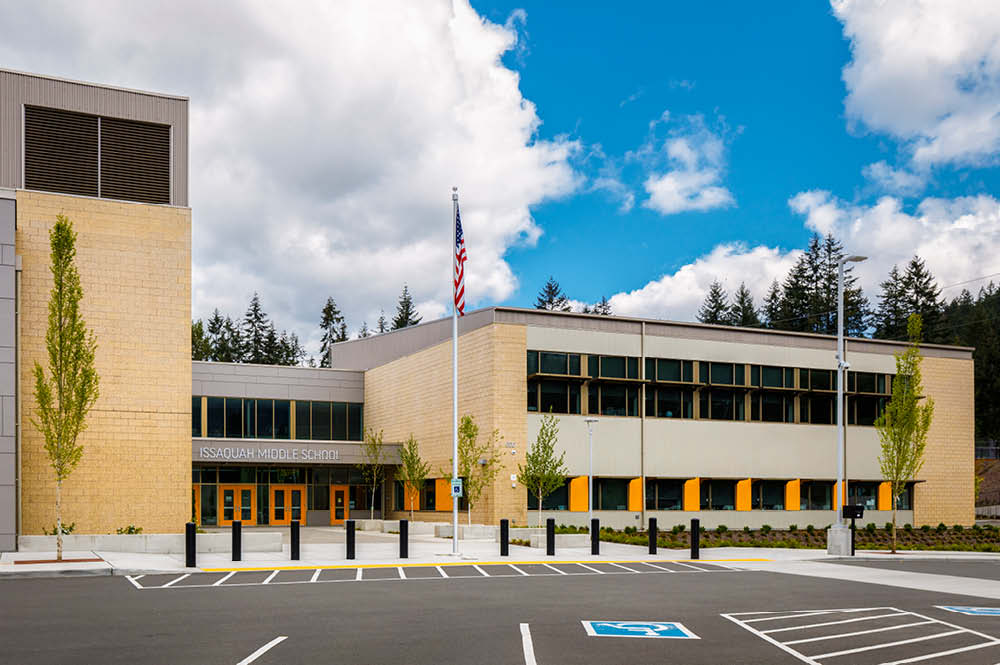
(654,629)
(972,611)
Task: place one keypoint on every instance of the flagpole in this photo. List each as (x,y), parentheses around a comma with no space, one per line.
(454,371)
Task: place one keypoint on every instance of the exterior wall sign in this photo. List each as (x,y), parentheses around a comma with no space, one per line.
(283,452)
(253,454)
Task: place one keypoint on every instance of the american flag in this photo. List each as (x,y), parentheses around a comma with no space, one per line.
(459,264)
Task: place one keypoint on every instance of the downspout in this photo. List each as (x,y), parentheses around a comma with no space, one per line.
(18,531)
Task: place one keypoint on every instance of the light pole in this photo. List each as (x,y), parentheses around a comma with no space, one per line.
(590,473)
(839,541)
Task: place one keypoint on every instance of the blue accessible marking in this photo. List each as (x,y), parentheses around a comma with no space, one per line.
(655,629)
(972,611)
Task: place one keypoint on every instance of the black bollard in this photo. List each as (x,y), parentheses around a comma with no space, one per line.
(295,540)
(504,537)
(190,545)
(237,541)
(652,535)
(550,537)
(595,536)
(695,537)
(404,539)
(350,539)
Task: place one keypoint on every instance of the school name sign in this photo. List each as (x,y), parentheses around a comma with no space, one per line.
(265,453)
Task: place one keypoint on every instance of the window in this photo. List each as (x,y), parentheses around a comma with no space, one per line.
(554,363)
(905,500)
(718,494)
(554,396)
(864,494)
(615,400)
(613,367)
(722,373)
(817,409)
(593,362)
(216,416)
(532,362)
(772,377)
(532,396)
(767,495)
(339,421)
(558,500)
(722,405)
(612,493)
(669,403)
(772,407)
(196,416)
(234,417)
(355,421)
(864,409)
(265,418)
(399,496)
(668,370)
(815,495)
(321,429)
(665,494)
(302,430)
(282,418)
(428,495)
(820,379)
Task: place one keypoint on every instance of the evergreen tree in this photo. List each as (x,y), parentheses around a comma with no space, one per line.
(382,326)
(330,322)
(229,346)
(603,308)
(552,298)
(215,334)
(342,332)
(742,312)
(715,309)
(290,350)
(255,332)
(795,312)
(406,314)
(772,305)
(201,347)
(363,331)
(922,296)
(890,317)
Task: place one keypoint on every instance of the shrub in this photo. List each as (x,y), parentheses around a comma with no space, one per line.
(958,528)
(702,530)
(793,527)
(677,528)
(765,528)
(870,527)
(746,529)
(976,528)
(131,529)
(942,527)
(926,528)
(888,527)
(66,529)
(722,528)
(908,528)
(810,529)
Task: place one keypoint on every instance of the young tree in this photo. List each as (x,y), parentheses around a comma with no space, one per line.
(742,312)
(715,309)
(552,298)
(330,321)
(363,331)
(603,308)
(406,313)
(66,396)
(542,472)
(372,465)
(413,470)
(201,347)
(478,464)
(255,330)
(902,426)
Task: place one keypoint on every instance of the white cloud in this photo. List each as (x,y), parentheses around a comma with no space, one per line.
(324,145)
(892,180)
(686,168)
(928,73)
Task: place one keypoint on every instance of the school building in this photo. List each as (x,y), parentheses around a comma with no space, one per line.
(731,425)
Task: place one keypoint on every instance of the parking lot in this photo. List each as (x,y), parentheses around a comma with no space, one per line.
(543,615)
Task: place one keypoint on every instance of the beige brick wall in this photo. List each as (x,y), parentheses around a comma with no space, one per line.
(947,493)
(413,395)
(135,268)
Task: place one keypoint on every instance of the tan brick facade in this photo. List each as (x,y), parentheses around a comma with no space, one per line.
(947,493)
(135,268)
(413,395)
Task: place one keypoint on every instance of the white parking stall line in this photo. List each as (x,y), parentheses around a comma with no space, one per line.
(402,575)
(133,581)
(595,570)
(315,575)
(886,645)
(692,567)
(222,579)
(618,565)
(138,577)
(833,623)
(264,649)
(561,572)
(484,573)
(441,570)
(859,632)
(270,577)
(778,616)
(942,654)
(518,569)
(653,565)
(766,638)
(527,646)
(359,575)
(176,580)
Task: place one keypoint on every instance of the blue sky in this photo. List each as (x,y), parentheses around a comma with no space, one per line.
(637,151)
(767,75)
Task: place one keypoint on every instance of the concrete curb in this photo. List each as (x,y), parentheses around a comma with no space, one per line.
(27,574)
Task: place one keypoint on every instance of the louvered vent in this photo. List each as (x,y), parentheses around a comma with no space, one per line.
(135,161)
(60,151)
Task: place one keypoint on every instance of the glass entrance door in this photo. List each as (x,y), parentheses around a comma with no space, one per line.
(287,503)
(339,509)
(237,502)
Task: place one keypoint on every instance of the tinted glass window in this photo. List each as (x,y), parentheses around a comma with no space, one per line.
(722,405)
(633,368)
(689,371)
(722,373)
(553,397)
(613,367)
(339,421)
(613,401)
(234,417)
(574,364)
(554,363)
(265,419)
(668,403)
(355,422)
(216,416)
(195,416)
(821,379)
(613,493)
(574,398)
(771,377)
(772,408)
(282,418)
(532,362)
(865,382)
(321,429)
(302,419)
(592,365)
(668,370)
(532,396)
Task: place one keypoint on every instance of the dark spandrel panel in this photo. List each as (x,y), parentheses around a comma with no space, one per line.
(60,151)
(135,161)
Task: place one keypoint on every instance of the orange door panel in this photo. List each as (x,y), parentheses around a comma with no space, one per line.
(288,502)
(339,504)
(237,502)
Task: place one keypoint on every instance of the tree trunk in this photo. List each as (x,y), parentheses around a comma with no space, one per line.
(539,510)
(374,488)
(893,520)
(59,540)
(468,511)
(411,506)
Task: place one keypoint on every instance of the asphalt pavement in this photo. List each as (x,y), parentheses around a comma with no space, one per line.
(470,618)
